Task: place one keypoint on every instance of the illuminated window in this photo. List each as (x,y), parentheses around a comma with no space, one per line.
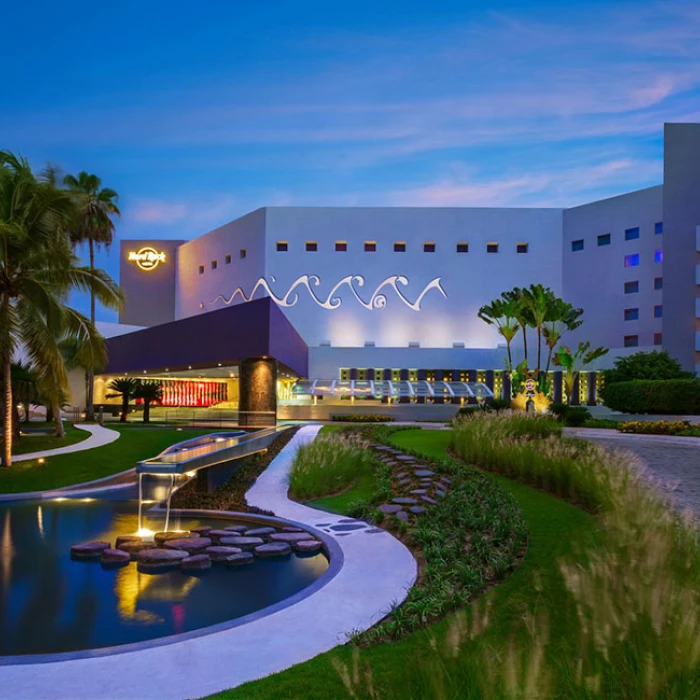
(311,246)
(632,260)
(658,311)
(604,239)
(214,264)
(399,247)
(631,341)
(632,233)
(658,282)
(631,287)
(428,247)
(341,246)
(370,246)
(576,246)
(227,259)
(463,247)
(522,247)
(659,229)
(631,314)
(658,339)
(492,247)
(658,256)
(242,253)
(201,269)
(282,246)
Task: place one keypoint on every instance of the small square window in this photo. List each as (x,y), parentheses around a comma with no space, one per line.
(370,246)
(576,246)
(311,246)
(242,253)
(429,247)
(282,246)
(658,256)
(214,264)
(201,269)
(632,260)
(492,247)
(631,341)
(463,247)
(659,228)
(341,246)
(658,311)
(604,239)
(658,339)
(658,282)
(227,259)
(631,314)
(631,287)
(399,247)
(522,247)
(632,234)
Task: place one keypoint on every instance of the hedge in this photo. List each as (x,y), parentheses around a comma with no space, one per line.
(673,396)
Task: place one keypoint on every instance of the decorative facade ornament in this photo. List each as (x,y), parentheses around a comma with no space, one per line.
(377,300)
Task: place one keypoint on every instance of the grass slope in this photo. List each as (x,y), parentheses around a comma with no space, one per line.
(556,529)
(77,467)
(35,441)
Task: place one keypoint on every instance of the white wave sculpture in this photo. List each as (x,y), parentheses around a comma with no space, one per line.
(377,300)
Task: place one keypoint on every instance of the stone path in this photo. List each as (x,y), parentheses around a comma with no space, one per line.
(674,461)
(99,436)
(377,573)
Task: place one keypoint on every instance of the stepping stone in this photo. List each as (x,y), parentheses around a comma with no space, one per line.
(198,562)
(389,508)
(290,537)
(192,545)
(221,552)
(419,492)
(114,557)
(402,475)
(445,480)
(135,547)
(260,531)
(160,538)
(290,528)
(404,482)
(406,458)
(405,501)
(236,528)
(239,559)
(308,546)
(427,499)
(241,542)
(423,472)
(122,539)
(273,549)
(402,515)
(347,528)
(440,494)
(218,534)
(417,509)
(151,560)
(201,531)
(89,550)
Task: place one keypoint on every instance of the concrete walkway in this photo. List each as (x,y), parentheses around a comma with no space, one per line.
(99,436)
(377,573)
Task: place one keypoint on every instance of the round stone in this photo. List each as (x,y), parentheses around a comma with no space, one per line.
(216,535)
(161,538)
(404,482)
(402,515)
(198,562)
(220,552)
(419,492)
(290,537)
(239,559)
(389,508)
(191,544)
(417,509)
(115,557)
(202,531)
(405,458)
(291,528)
(236,528)
(123,539)
(242,542)
(405,501)
(308,546)
(273,549)
(423,472)
(427,499)
(164,557)
(260,532)
(89,550)
(135,547)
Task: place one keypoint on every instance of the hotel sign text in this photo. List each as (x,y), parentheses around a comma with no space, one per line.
(146,258)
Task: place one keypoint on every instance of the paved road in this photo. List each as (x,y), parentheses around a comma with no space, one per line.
(675,462)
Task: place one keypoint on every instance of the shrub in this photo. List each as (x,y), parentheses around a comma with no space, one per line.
(656,427)
(576,416)
(673,396)
(362,418)
(644,365)
(515,424)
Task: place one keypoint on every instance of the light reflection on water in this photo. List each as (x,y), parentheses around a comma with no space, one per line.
(49,603)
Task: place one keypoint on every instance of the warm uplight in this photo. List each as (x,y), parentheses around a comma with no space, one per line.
(144,532)
(59,499)
(190,474)
(88,500)
(41,460)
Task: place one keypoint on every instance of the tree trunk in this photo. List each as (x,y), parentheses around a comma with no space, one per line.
(146,411)
(7,428)
(57,420)
(125,408)
(539,351)
(89,398)
(15,421)
(524,330)
(510,359)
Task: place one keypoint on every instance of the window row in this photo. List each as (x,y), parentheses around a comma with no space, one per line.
(633,314)
(242,253)
(400,247)
(633,286)
(632,341)
(631,234)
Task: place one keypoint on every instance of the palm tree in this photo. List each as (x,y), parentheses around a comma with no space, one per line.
(502,314)
(539,301)
(574,362)
(148,392)
(95,208)
(521,313)
(125,387)
(561,317)
(38,269)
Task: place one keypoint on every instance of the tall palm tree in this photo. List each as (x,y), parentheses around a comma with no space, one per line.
(38,269)
(539,301)
(502,314)
(516,297)
(125,387)
(96,207)
(561,317)
(148,392)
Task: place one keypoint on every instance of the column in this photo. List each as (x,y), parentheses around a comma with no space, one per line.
(258,391)
(557,387)
(471,377)
(592,393)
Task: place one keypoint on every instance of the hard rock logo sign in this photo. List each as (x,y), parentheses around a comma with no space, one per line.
(146,258)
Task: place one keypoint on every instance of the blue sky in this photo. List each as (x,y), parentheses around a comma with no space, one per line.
(197,114)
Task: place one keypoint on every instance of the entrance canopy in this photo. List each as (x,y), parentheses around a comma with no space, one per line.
(389,388)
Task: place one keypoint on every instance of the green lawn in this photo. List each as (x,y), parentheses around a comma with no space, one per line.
(556,530)
(77,467)
(34,440)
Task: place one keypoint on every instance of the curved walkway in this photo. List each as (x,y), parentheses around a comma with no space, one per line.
(99,436)
(377,573)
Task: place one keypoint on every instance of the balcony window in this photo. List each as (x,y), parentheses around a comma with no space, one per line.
(632,260)
(227,259)
(492,247)
(341,246)
(658,256)
(522,247)
(399,247)
(282,246)
(632,234)
(631,341)
(658,311)
(659,228)
(242,253)
(370,246)
(311,246)
(201,269)
(604,239)
(631,314)
(576,246)
(658,282)
(658,339)
(463,247)
(214,264)
(631,287)
(429,247)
